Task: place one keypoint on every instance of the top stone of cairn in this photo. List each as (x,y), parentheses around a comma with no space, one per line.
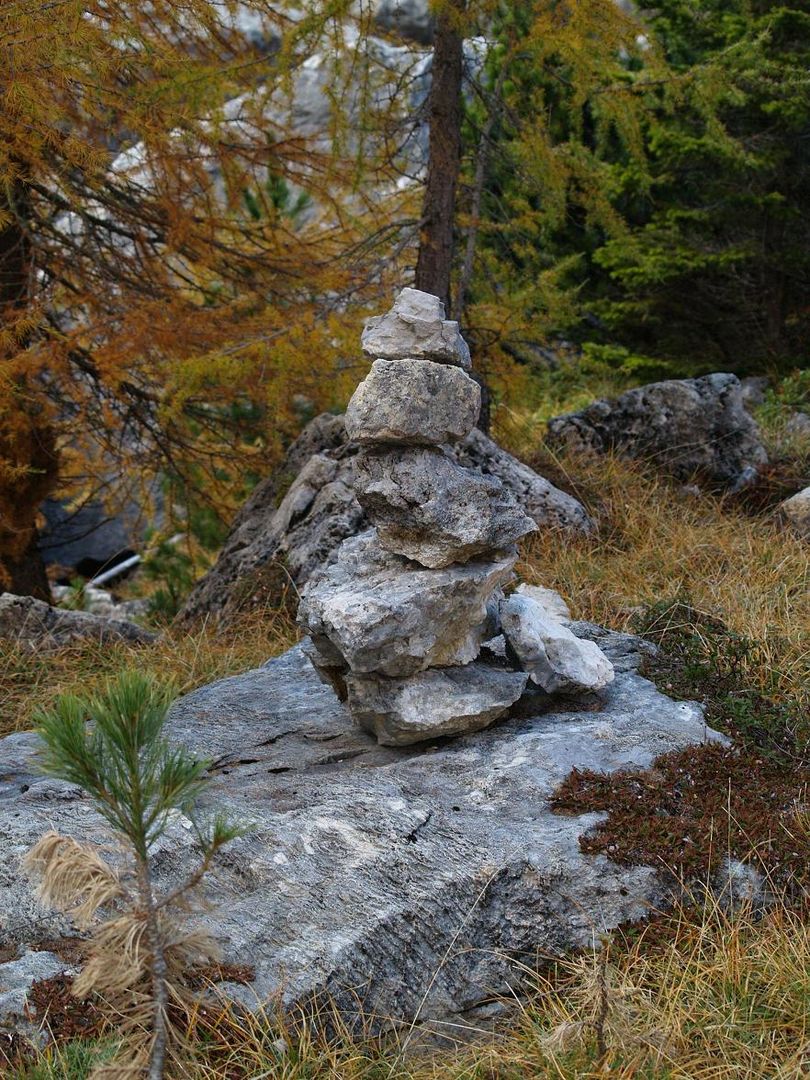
(415,329)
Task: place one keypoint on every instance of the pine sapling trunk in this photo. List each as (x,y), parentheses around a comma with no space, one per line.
(159,973)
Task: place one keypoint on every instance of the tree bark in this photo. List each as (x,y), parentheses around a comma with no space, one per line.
(435,258)
(28,456)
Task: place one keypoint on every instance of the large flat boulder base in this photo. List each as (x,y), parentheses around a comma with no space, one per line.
(401,881)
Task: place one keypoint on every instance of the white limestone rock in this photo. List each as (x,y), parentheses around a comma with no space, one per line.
(415,402)
(796,511)
(550,599)
(430,704)
(385,614)
(415,328)
(555,659)
(430,509)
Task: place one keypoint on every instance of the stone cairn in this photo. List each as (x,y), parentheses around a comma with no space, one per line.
(409,623)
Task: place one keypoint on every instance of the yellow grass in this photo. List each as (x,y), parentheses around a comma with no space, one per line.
(190,659)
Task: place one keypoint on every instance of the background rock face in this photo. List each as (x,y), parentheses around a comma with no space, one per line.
(374,873)
(428,508)
(384,614)
(416,402)
(319,510)
(685,426)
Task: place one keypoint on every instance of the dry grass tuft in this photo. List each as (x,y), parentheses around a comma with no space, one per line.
(656,544)
(187,658)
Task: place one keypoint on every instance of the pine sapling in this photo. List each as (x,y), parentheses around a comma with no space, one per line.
(112,745)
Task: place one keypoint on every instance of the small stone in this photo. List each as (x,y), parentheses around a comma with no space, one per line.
(550,599)
(385,614)
(415,328)
(449,701)
(428,508)
(555,659)
(415,402)
(796,511)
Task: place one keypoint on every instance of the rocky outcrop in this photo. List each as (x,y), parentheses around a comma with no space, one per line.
(687,427)
(34,625)
(401,881)
(302,528)
(389,631)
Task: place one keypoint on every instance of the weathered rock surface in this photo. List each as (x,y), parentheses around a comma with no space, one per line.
(35,625)
(439,702)
(687,427)
(796,511)
(388,878)
(427,508)
(415,328)
(416,402)
(549,599)
(554,657)
(385,614)
(304,528)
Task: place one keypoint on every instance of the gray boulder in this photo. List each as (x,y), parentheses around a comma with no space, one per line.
(686,427)
(410,882)
(384,614)
(415,328)
(302,528)
(554,657)
(431,704)
(34,625)
(416,402)
(428,508)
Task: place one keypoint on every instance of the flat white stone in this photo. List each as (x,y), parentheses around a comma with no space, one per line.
(555,659)
(550,599)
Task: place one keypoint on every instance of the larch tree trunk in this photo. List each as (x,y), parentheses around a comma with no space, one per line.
(435,258)
(28,457)
(434,264)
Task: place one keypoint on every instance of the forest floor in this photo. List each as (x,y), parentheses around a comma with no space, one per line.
(704,991)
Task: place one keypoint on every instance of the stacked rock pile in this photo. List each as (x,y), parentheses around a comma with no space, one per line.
(409,623)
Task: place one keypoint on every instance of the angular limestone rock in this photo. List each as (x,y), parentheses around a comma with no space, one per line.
(445,701)
(555,659)
(796,511)
(428,508)
(550,599)
(385,614)
(415,328)
(415,402)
